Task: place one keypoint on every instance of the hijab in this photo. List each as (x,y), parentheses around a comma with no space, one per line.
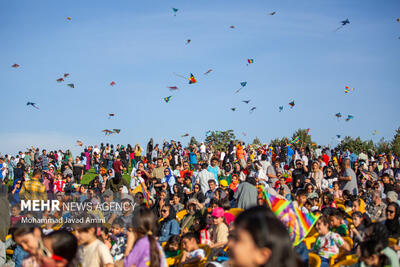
(393,226)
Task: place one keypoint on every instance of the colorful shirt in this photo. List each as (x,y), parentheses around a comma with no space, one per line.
(140,254)
(33,190)
(328,245)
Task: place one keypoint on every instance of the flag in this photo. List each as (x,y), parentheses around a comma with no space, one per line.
(296,140)
(298,223)
(142,189)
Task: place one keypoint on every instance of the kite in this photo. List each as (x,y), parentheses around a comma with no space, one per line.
(66,75)
(338,115)
(60,80)
(246,101)
(112,83)
(175,10)
(243,84)
(188,41)
(107,132)
(185,135)
(167,99)
(233,109)
(116,131)
(291,104)
(344,22)
(348,89)
(192,79)
(32,104)
(398,20)
(252,109)
(250,61)
(280,108)
(207,72)
(111,115)
(298,223)
(272,13)
(308,130)
(338,136)
(172,88)
(79,143)
(232,27)
(71,85)
(349,117)
(68,18)
(208,133)
(15,65)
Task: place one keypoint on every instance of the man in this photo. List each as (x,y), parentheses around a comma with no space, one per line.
(203,177)
(348,179)
(246,194)
(117,165)
(158,171)
(210,193)
(272,173)
(299,175)
(186,171)
(115,183)
(127,215)
(45,160)
(33,189)
(202,151)
(214,169)
(109,214)
(376,210)
(124,158)
(264,163)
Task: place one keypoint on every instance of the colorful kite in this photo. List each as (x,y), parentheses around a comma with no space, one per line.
(233,109)
(173,88)
(79,143)
(60,80)
(344,22)
(232,27)
(243,84)
(175,10)
(348,89)
(280,108)
(252,109)
(107,132)
(349,117)
(250,61)
(338,115)
(15,65)
(208,133)
(111,115)
(188,41)
(185,135)
(32,104)
(207,72)
(68,18)
(71,85)
(338,136)
(116,131)
(298,223)
(246,101)
(272,13)
(291,104)
(192,79)
(112,83)
(66,75)
(167,99)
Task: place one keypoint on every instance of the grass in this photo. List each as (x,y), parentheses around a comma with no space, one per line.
(91,174)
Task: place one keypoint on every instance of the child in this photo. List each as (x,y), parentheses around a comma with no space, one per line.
(337,193)
(192,253)
(105,236)
(176,204)
(371,254)
(29,237)
(15,214)
(260,239)
(219,231)
(92,252)
(328,243)
(60,249)
(337,223)
(119,238)
(59,184)
(172,247)
(200,230)
(49,225)
(358,228)
(301,198)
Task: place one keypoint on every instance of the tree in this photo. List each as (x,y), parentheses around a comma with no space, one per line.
(396,143)
(383,146)
(257,141)
(220,139)
(193,141)
(355,145)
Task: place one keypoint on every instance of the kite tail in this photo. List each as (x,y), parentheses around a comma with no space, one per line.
(338,28)
(176,74)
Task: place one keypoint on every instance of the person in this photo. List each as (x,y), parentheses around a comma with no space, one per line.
(376,209)
(299,175)
(327,243)
(4,221)
(92,252)
(392,220)
(158,172)
(119,238)
(371,255)
(246,194)
(116,183)
(146,250)
(33,189)
(357,229)
(172,249)
(61,248)
(192,254)
(169,224)
(203,178)
(29,238)
(219,231)
(260,239)
(15,189)
(337,223)
(348,179)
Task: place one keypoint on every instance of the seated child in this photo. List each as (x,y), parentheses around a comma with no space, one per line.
(192,253)
(337,222)
(327,243)
(119,238)
(15,214)
(172,247)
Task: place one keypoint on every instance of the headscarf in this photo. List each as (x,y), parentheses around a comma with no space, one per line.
(167,177)
(234,182)
(393,226)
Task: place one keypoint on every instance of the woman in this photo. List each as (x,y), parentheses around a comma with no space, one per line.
(316,174)
(392,220)
(329,178)
(78,170)
(234,182)
(168,178)
(238,170)
(328,201)
(194,210)
(169,224)
(197,194)
(16,187)
(146,250)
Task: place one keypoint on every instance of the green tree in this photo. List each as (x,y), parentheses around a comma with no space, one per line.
(257,141)
(193,141)
(396,143)
(220,139)
(383,146)
(355,145)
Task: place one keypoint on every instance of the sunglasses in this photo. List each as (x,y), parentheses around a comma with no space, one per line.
(390,211)
(164,211)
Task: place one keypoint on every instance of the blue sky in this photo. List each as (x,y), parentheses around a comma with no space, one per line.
(140,44)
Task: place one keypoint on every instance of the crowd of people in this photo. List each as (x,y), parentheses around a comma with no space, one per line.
(198,206)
